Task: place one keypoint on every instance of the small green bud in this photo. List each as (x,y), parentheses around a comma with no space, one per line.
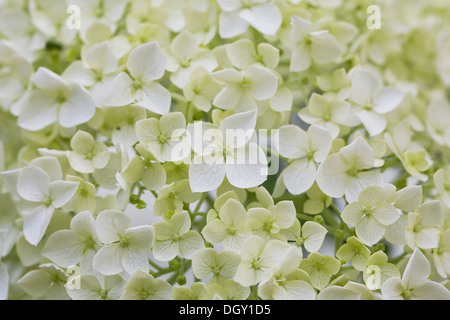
(319,219)
(134,199)
(379,247)
(181,280)
(339,234)
(174,264)
(141,205)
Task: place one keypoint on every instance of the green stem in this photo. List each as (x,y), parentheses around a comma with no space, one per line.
(254,295)
(200,202)
(154,265)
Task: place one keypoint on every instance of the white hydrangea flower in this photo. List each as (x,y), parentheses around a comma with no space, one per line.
(87,155)
(125,247)
(165,138)
(185,56)
(259,260)
(344,173)
(371,100)
(306,149)
(414,284)
(96,71)
(145,64)
(111,288)
(244,88)
(75,246)
(330,114)
(230,227)
(176,237)
(371,214)
(422,230)
(226,150)
(41,196)
(269,223)
(310,45)
(55,100)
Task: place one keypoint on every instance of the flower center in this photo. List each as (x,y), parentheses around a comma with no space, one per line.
(407,295)
(256,264)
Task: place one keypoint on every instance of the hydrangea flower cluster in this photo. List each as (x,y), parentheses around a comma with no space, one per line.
(224,149)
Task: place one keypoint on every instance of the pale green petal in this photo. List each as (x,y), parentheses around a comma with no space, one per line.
(134,259)
(189,243)
(111,224)
(215,231)
(314,235)
(337,293)
(165,250)
(108,260)
(353,213)
(140,237)
(64,247)
(369,230)
(82,142)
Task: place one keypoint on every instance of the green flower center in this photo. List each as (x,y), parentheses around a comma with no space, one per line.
(162,139)
(256,263)
(407,295)
(417,228)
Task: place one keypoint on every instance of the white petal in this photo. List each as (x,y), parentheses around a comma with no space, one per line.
(431,291)
(392,289)
(184,46)
(108,260)
(295,290)
(241,53)
(101,57)
(324,48)
(387,99)
(417,270)
(39,111)
(409,198)
(78,109)
(147,62)
(155,98)
(231,24)
(300,58)
(33,184)
(337,293)
(300,176)
(314,235)
(61,192)
(321,141)
(134,260)
(165,250)
(35,224)
(364,179)
(120,93)
(369,230)
(372,121)
(266,18)
(331,176)
(48,81)
(364,87)
(111,224)
(205,177)
(249,167)
(239,128)
(293,142)
(64,248)
(190,243)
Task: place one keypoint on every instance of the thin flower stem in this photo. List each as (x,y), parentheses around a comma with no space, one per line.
(200,202)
